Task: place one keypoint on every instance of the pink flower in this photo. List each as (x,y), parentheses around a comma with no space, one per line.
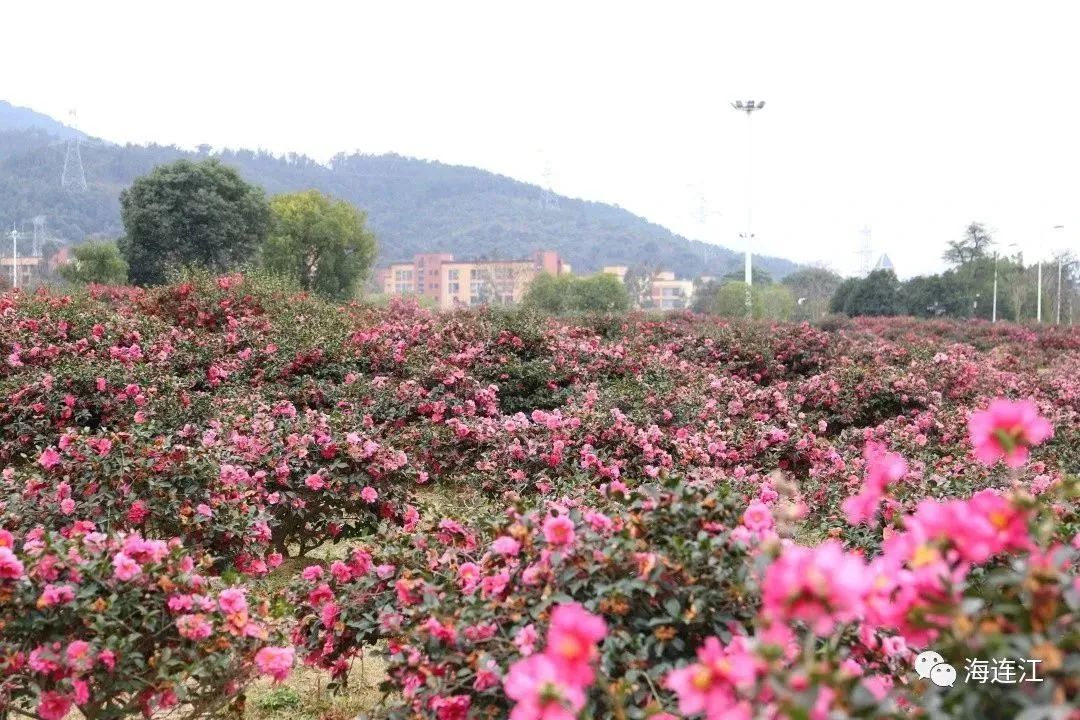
(53,706)
(1007,430)
(194,627)
(124,568)
(315,482)
(454,707)
(55,595)
(79,656)
(67,506)
(711,684)
(757,517)
(559,530)
(311,573)
(526,640)
(49,458)
(369,494)
(468,576)
(341,572)
(232,600)
(820,586)
(506,545)
(10,566)
(275,662)
(572,640)
(411,519)
(541,691)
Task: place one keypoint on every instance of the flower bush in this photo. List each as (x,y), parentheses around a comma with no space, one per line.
(118,625)
(764,519)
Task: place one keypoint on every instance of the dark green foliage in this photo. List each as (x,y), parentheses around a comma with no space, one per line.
(96,262)
(841,294)
(565,293)
(199,214)
(878,294)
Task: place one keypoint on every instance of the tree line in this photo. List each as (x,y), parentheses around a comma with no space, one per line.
(966,289)
(203,214)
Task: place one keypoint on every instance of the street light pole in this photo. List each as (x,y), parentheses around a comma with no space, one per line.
(749,107)
(14,256)
(994,311)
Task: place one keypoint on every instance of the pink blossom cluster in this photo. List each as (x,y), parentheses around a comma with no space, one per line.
(551,685)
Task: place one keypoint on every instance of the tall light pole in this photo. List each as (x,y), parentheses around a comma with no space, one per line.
(749,107)
(993,314)
(14,256)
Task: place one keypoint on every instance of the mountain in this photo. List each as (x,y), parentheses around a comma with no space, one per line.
(413,205)
(13,117)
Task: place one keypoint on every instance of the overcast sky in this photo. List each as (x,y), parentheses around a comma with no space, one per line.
(911,118)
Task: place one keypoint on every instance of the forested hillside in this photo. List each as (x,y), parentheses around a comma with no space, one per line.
(413,205)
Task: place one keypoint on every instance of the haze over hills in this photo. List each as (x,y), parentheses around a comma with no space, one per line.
(413,205)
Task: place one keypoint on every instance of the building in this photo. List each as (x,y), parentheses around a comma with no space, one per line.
(454,283)
(884,263)
(28,269)
(618,271)
(667,293)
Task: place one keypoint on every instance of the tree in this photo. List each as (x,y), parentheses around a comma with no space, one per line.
(190,213)
(878,294)
(704,295)
(759,275)
(321,243)
(96,262)
(812,289)
(841,294)
(564,293)
(972,246)
(770,302)
(549,293)
(935,296)
(638,284)
(599,293)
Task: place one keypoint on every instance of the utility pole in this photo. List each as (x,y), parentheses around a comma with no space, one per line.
(14,256)
(993,313)
(749,107)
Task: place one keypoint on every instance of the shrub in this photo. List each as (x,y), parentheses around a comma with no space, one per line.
(117,625)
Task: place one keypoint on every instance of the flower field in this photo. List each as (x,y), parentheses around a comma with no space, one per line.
(648,517)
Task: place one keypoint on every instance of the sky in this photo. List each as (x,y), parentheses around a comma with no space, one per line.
(911,119)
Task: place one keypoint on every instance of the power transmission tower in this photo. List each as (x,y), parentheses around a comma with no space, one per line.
(548,199)
(866,251)
(74,177)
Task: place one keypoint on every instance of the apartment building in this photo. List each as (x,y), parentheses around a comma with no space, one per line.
(667,293)
(454,283)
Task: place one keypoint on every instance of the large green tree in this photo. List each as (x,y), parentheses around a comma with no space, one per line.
(96,262)
(565,293)
(876,294)
(322,243)
(812,288)
(770,302)
(549,293)
(599,293)
(188,213)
